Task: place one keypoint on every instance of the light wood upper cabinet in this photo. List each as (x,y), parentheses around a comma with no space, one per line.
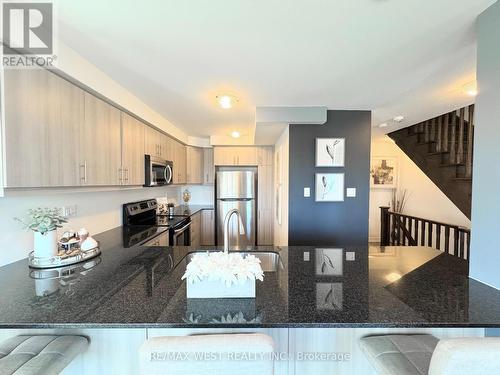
(43,116)
(194,169)
(153,142)
(179,161)
(265,155)
(100,143)
(207,228)
(132,169)
(243,155)
(208,166)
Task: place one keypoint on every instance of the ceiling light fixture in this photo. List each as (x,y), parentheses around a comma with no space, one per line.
(383,125)
(470,88)
(399,118)
(226,101)
(235,134)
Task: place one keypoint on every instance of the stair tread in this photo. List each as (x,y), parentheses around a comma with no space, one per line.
(452,165)
(425,143)
(438,153)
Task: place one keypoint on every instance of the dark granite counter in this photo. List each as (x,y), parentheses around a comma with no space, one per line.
(304,287)
(191,209)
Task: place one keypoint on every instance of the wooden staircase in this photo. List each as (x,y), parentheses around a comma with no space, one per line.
(442,148)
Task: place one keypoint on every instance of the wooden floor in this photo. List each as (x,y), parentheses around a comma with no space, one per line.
(115,351)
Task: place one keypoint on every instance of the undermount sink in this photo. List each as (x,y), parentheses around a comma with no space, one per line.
(270,261)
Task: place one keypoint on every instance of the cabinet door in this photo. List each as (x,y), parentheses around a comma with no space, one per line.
(166,147)
(100,143)
(207,228)
(208,166)
(265,187)
(194,169)
(43,116)
(225,156)
(152,142)
(265,155)
(265,206)
(132,150)
(265,227)
(246,156)
(195,229)
(179,160)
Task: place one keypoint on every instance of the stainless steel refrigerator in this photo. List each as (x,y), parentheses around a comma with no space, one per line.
(236,188)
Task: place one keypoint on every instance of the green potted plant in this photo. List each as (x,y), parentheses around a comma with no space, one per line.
(44,222)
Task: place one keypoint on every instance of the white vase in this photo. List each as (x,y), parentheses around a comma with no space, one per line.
(45,245)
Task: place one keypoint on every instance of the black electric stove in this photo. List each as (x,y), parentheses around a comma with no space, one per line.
(141,223)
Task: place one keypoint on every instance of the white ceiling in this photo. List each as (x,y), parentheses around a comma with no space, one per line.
(394,57)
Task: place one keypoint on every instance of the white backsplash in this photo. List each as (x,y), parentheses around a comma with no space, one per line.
(97,211)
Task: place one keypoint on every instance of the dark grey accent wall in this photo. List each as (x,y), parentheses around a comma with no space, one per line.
(330,223)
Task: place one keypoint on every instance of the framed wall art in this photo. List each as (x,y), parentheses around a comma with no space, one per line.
(329,187)
(384,172)
(330,152)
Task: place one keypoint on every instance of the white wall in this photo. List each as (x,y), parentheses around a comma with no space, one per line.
(485,256)
(426,200)
(281,148)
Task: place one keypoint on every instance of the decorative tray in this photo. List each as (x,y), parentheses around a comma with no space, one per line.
(64,258)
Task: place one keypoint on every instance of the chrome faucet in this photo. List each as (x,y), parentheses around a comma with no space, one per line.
(226,227)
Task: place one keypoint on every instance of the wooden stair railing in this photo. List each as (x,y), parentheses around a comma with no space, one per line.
(442,147)
(404,230)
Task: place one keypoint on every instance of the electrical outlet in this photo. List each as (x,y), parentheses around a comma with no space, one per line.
(69,211)
(307,192)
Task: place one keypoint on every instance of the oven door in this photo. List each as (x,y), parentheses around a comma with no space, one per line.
(180,234)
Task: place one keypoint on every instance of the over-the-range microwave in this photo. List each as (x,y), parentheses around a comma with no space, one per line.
(157,172)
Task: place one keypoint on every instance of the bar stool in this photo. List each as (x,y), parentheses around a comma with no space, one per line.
(43,354)
(425,354)
(217,354)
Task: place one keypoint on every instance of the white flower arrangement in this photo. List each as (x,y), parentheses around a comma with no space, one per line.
(230,268)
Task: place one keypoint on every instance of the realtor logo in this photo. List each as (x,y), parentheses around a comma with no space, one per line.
(27,28)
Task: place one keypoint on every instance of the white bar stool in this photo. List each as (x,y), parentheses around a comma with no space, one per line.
(217,354)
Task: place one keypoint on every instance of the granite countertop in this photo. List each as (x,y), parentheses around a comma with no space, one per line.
(191,209)
(350,286)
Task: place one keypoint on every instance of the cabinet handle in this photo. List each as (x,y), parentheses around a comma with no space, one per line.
(126,176)
(120,176)
(84,166)
(207,177)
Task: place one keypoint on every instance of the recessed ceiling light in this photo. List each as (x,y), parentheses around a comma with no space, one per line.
(399,118)
(383,125)
(226,101)
(470,88)
(235,134)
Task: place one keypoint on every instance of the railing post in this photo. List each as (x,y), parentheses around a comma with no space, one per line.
(384,226)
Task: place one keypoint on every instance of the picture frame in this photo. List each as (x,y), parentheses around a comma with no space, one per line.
(384,172)
(330,152)
(329,187)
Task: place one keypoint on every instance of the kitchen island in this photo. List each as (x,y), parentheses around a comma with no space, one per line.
(347,286)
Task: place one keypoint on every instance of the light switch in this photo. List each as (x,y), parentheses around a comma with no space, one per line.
(306,256)
(351,192)
(350,255)
(307,192)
